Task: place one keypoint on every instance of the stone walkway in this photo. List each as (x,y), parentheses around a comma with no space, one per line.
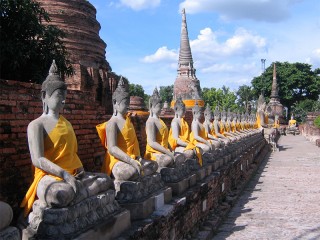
(282,201)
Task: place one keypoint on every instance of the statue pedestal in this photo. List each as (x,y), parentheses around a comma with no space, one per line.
(142,197)
(110,229)
(86,217)
(179,187)
(10,233)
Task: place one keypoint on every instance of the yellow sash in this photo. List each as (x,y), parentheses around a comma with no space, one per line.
(233,127)
(292,122)
(183,134)
(221,128)
(60,147)
(193,143)
(161,138)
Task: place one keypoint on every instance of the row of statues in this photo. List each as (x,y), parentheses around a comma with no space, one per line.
(59,176)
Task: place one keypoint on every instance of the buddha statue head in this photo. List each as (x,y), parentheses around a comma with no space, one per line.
(155,103)
(179,107)
(208,113)
(196,111)
(216,113)
(229,115)
(261,104)
(120,99)
(223,115)
(53,90)
(234,116)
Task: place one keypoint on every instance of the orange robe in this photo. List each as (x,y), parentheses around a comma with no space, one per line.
(60,147)
(126,140)
(161,138)
(183,134)
(194,142)
(233,127)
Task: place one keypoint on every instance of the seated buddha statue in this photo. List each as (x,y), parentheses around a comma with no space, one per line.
(292,123)
(208,126)
(180,131)
(59,177)
(225,122)
(157,148)
(122,159)
(198,136)
(231,126)
(262,116)
(217,126)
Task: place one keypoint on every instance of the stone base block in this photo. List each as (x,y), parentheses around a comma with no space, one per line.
(208,169)
(216,165)
(140,210)
(201,174)
(10,233)
(109,229)
(167,192)
(179,187)
(158,201)
(192,180)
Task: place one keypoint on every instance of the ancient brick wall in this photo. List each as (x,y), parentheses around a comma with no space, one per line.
(309,130)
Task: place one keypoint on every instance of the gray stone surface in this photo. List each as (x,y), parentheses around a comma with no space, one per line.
(282,200)
(109,229)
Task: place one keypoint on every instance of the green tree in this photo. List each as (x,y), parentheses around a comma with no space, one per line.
(136,90)
(245,96)
(224,98)
(296,81)
(301,109)
(166,93)
(28,43)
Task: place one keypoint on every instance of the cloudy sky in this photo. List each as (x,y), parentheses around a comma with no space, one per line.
(228,38)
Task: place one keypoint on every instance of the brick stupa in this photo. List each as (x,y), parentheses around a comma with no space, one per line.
(77,18)
(186,85)
(275,107)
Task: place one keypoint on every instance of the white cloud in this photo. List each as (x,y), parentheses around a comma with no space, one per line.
(161,55)
(314,59)
(242,44)
(258,10)
(140,4)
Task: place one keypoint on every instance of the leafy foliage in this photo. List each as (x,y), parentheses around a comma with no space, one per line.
(245,96)
(28,43)
(317,122)
(136,90)
(296,81)
(166,93)
(301,109)
(224,98)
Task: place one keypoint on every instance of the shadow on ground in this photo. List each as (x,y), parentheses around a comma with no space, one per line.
(229,226)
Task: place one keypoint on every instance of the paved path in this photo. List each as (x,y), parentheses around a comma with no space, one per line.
(282,201)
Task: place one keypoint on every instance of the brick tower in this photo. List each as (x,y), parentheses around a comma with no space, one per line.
(275,108)
(186,85)
(77,18)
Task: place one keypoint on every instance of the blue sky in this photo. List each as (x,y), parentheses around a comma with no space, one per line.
(228,38)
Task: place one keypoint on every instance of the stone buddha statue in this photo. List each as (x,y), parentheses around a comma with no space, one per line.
(292,122)
(262,117)
(122,159)
(232,125)
(209,128)
(157,135)
(180,131)
(59,177)
(225,126)
(198,136)
(217,126)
